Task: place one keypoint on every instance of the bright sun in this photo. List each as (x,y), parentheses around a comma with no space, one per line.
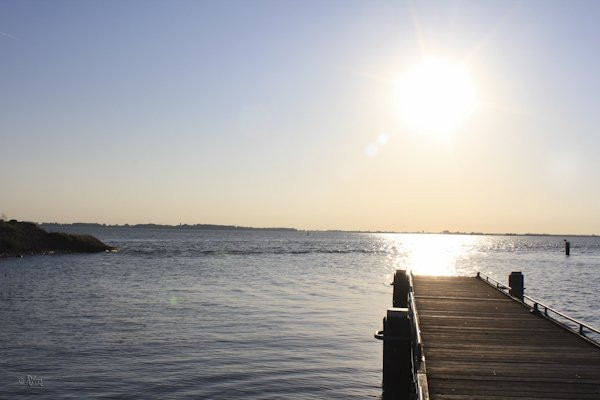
(436,96)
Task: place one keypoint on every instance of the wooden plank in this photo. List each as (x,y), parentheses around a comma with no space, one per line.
(485,397)
(479,344)
(511,389)
(508,369)
(524,355)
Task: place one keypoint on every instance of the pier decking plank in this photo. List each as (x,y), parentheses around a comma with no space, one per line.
(479,344)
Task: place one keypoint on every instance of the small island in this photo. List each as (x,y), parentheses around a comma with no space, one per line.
(20,238)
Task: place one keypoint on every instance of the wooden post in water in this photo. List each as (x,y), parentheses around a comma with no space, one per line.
(516,281)
(567,248)
(401,288)
(397,359)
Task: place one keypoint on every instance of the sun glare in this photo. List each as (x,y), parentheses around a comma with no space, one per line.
(435,96)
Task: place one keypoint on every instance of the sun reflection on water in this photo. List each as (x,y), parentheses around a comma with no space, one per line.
(430,254)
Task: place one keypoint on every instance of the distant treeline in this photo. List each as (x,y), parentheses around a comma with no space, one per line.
(212,227)
(207,227)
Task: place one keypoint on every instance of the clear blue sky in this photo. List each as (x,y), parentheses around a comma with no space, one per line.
(268,113)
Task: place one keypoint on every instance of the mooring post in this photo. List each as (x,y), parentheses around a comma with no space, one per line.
(567,248)
(401,289)
(397,355)
(516,284)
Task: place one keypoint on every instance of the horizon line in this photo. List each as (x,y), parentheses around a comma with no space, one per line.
(242,227)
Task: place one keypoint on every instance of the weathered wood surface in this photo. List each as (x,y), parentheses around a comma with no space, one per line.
(479,344)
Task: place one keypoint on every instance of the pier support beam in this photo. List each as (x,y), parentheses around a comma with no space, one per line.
(401,289)
(397,356)
(516,281)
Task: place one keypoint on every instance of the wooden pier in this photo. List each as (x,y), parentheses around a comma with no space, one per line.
(478,343)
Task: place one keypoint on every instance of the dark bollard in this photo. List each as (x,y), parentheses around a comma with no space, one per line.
(401,288)
(397,362)
(567,248)
(517,285)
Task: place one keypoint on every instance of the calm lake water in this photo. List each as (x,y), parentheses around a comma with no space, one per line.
(243,315)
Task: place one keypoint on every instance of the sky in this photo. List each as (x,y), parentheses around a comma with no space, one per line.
(299,114)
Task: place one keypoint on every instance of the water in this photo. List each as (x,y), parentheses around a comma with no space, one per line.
(253,315)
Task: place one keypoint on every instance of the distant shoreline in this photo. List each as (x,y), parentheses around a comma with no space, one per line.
(213,227)
(206,227)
